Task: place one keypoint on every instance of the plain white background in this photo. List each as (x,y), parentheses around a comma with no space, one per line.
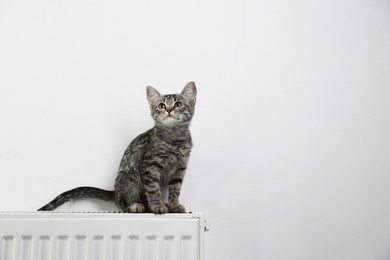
(291,133)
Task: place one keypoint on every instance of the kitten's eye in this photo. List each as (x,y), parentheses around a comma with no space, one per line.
(178,104)
(161,106)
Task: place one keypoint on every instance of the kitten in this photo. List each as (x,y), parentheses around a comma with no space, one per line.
(154,160)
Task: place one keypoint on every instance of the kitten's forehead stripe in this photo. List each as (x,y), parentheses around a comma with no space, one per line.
(170,98)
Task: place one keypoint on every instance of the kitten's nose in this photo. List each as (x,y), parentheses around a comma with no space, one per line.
(169,109)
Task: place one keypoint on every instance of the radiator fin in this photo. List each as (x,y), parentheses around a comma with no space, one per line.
(133,248)
(7,248)
(80,248)
(62,248)
(116,248)
(150,248)
(98,248)
(168,248)
(186,248)
(25,248)
(44,248)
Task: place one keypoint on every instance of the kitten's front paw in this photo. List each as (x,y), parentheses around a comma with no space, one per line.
(176,208)
(159,208)
(136,208)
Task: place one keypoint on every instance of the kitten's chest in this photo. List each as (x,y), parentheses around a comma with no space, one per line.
(171,158)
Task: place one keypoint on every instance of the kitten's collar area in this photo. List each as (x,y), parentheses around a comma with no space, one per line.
(172,135)
(172,128)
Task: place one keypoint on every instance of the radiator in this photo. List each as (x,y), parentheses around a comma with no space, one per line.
(98,236)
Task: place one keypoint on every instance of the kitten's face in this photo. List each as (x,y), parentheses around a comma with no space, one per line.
(172,110)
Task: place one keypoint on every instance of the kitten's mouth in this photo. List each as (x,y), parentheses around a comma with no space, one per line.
(170,119)
(171,116)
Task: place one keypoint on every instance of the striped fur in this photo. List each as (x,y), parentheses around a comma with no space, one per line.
(155,160)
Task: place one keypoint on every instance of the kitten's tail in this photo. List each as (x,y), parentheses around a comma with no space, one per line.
(79,193)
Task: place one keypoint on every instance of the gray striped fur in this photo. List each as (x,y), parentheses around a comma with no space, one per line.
(155,160)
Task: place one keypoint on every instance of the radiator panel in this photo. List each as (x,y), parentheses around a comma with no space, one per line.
(95,236)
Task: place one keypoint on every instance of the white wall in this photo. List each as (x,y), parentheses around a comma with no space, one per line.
(291,133)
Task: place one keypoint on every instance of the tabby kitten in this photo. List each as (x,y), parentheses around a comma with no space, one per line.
(155,160)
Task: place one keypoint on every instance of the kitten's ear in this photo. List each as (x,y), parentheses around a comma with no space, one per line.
(189,92)
(152,94)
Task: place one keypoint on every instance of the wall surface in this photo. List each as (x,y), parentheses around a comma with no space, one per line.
(292,131)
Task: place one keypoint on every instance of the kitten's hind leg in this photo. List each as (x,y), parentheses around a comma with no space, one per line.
(127,195)
(130,201)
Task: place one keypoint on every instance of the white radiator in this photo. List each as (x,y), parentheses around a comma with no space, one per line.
(95,236)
